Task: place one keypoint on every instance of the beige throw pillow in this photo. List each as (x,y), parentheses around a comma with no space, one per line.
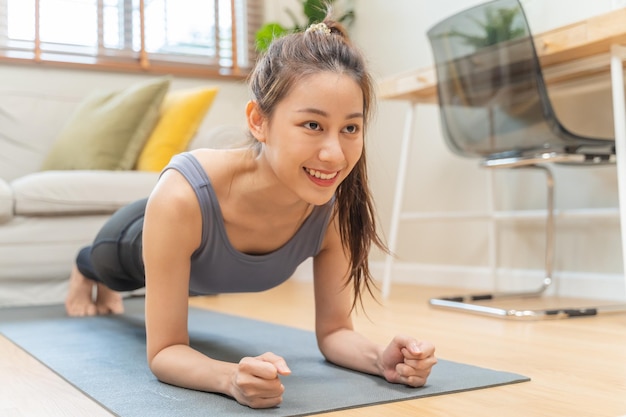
(109,129)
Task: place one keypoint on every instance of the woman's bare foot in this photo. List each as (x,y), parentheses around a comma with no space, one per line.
(108,301)
(79,300)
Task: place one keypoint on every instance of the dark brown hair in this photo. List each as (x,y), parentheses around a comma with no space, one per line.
(293,57)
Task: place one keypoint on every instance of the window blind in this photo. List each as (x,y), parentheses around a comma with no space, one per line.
(194,37)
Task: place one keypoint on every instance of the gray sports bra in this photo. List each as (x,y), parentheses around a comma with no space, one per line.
(217,267)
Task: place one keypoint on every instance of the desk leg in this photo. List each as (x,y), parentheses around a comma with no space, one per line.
(618,55)
(405,150)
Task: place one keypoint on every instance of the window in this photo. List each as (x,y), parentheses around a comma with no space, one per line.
(183,37)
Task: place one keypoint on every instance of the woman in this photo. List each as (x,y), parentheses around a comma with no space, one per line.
(244,219)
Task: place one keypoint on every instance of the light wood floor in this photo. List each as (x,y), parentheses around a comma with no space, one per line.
(577,366)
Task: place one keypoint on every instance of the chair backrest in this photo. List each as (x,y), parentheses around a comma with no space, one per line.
(492,96)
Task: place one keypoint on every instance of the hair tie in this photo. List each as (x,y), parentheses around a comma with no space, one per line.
(321,28)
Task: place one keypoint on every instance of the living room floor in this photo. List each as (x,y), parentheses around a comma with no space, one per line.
(577,366)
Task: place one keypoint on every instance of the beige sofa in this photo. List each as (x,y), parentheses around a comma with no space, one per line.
(47,216)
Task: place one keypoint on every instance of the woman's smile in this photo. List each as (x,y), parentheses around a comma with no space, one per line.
(323,178)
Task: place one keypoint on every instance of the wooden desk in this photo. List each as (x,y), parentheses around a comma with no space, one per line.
(576,51)
(569,52)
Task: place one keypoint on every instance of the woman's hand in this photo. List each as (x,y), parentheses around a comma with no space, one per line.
(407,361)
(256,381)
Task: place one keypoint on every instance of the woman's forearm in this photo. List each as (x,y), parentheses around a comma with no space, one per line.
(185,367)
(352,350)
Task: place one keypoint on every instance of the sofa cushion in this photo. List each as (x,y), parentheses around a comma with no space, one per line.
(30,122)
(222,137)
(6,202)
(108,129)
(79,192)
(181,115)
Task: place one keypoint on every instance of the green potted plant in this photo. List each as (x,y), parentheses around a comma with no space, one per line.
(313,11)
(499,25)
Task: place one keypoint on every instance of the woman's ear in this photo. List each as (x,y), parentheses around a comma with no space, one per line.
(256,121)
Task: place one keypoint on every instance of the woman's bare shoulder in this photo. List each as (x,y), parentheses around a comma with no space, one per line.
(220,164)
(172,192)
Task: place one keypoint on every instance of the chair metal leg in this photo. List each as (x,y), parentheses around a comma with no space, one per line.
(540,314)
(465,303)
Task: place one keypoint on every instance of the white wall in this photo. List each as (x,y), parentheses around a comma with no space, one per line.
(392,35)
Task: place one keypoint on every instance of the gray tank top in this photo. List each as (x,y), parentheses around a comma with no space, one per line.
(217,267)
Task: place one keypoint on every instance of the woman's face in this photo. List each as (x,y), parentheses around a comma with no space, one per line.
(315,135)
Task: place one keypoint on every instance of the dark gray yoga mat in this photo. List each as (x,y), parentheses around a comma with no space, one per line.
(105,358)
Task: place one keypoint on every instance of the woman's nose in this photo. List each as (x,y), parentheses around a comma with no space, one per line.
(331,150)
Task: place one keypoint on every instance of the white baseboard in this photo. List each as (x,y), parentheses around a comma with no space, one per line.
(601,286)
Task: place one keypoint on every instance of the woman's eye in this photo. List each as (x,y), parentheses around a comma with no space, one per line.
(351,129)
(312,125)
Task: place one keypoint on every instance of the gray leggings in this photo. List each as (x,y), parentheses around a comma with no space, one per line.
(115,257)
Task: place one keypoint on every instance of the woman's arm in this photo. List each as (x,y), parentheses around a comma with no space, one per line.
(172,232)
(405,360)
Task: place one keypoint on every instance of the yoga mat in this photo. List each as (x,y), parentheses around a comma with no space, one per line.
(105,358)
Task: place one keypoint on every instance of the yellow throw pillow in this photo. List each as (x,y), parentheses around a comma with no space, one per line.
(108,129)
(181,115)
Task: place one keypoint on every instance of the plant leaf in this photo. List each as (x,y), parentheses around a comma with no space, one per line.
(497,26)
(315,10)
(267,34)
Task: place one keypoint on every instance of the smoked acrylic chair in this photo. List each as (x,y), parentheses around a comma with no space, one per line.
(494,106)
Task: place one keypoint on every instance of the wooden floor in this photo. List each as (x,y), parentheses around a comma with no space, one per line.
(577,366)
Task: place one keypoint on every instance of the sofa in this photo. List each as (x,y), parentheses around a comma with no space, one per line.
(56,191)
